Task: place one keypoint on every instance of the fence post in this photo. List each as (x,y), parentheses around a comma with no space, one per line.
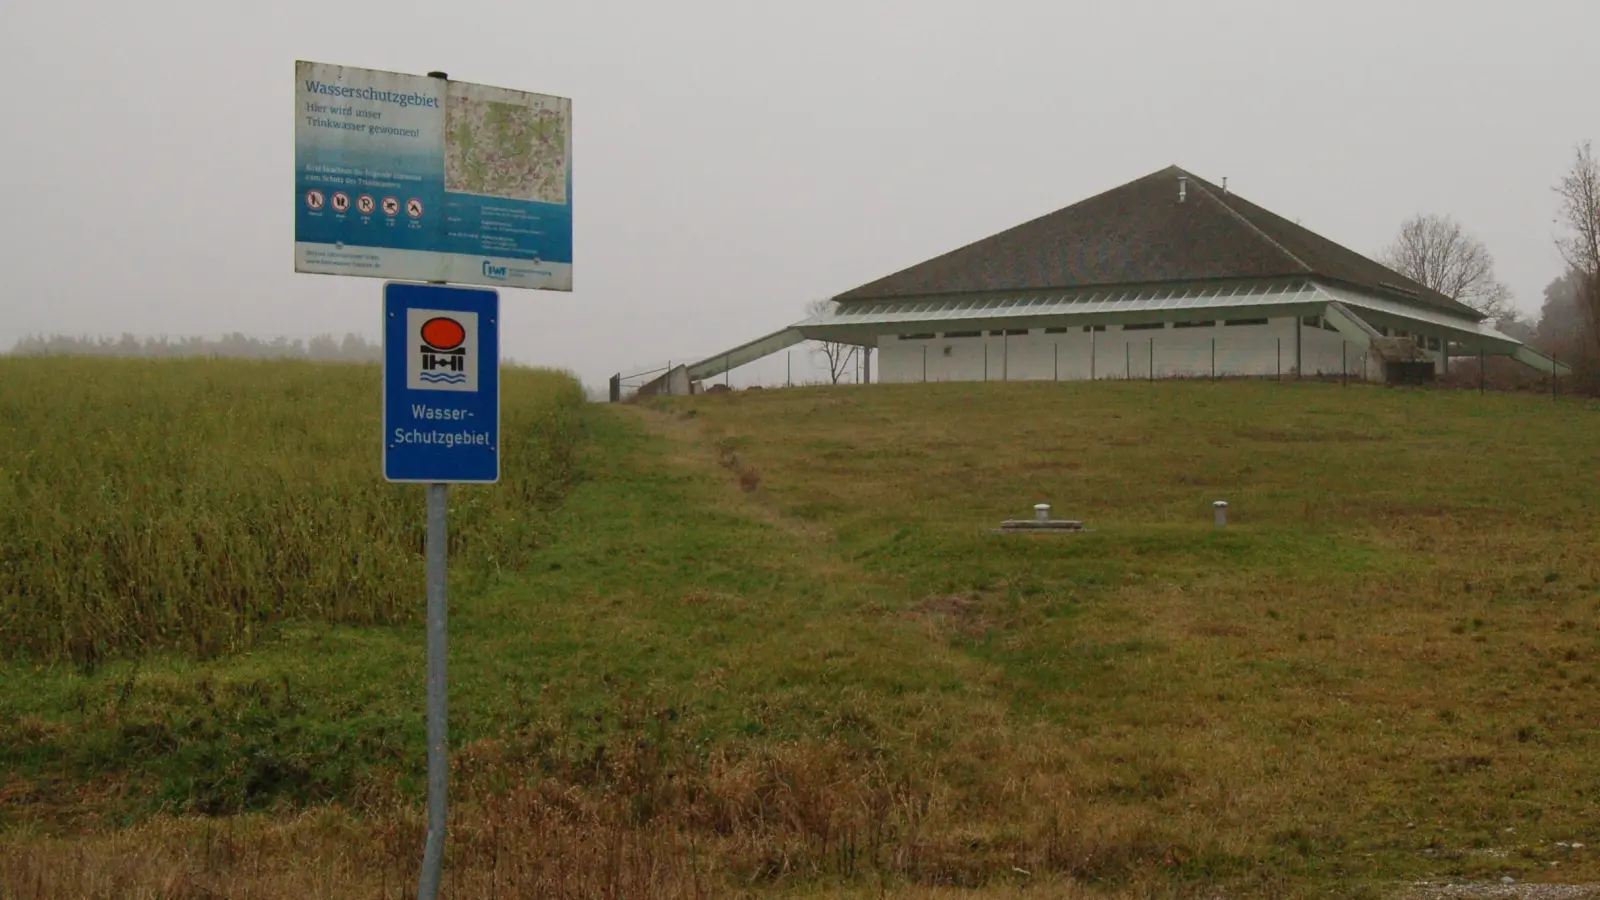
(1057,350)
(924,363)
(1299,348)
(1092,343)
(1344,363)
(788,368)
(1213,359)
(1127,360)
(1280,360)
(1480,368)
(1152,360)
(985,358)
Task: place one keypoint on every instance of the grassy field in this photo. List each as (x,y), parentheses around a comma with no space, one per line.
(764,645)
(187,504)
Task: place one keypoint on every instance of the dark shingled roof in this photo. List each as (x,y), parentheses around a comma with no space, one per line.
(1139,233)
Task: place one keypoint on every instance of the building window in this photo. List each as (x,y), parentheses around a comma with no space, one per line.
(1311,321)
(917,337)
(1328,326)
(1089,328)
(1206,324)
(1057,330)
(963,334)
(1245,322)
(1144,326)
(1433,343)
(1009,332)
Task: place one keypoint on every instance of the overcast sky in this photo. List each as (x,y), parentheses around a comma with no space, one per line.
(733,160)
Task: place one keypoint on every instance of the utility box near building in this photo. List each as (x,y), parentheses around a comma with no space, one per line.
(1408,371)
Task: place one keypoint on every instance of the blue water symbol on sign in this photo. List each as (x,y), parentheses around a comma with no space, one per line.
(441,383)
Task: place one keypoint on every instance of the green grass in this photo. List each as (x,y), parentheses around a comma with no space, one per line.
(189,504)
(767,641)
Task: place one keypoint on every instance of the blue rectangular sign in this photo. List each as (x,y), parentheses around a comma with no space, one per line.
(441,383)
(418,178)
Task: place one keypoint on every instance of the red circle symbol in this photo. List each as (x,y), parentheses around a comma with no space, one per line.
(366,204)
(314,199)
(414,208)
(443,333)
(391,206)
(341,201)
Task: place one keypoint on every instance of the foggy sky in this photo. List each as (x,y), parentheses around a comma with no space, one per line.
(734,160)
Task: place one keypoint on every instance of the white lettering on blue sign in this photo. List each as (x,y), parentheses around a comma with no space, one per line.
(441,384)
(446,439)
(427,412)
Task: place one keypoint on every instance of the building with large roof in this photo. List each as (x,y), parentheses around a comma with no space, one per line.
(1168,275)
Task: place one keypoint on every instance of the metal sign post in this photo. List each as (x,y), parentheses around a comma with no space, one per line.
(438,693)
(414,177)
(441,425)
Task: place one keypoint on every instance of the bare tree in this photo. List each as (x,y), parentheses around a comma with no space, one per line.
(839,357)
(1438,253)
(1579,190)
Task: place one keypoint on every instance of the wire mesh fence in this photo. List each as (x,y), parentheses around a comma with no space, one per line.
(1015,359)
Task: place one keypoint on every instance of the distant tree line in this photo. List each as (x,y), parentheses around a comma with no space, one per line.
(322,348)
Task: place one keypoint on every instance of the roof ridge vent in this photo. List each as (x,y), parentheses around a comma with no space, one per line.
(1183,187)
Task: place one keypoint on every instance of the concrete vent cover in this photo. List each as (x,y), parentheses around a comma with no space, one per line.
(1042,522)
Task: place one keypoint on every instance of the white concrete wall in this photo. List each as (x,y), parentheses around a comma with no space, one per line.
(1326,352)
(1113,353)
(1117,352)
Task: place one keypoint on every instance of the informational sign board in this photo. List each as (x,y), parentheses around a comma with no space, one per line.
(419,178)
(441,383)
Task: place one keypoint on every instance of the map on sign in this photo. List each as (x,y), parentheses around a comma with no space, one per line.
(513,146)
